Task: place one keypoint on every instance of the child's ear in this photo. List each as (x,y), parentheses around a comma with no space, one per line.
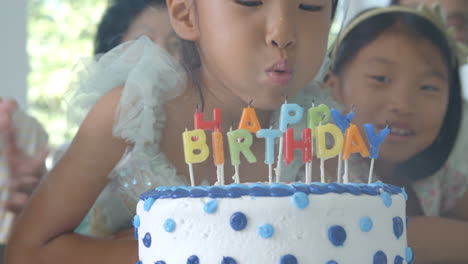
(332,82)
(182,14)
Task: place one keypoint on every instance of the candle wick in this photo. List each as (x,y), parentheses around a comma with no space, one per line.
(353,107)
(250,102)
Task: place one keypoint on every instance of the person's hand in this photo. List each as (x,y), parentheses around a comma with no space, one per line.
(25,171)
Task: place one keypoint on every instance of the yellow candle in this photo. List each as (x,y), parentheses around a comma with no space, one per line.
(322,151)
(195,148)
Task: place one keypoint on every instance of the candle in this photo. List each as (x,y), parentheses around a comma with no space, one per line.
(342,121)
(249,120)
(240,141)
(195,149)
(317,114)
(290,114)
(323,152)
(218,155)
(269,135)
(375,140)
(353,144)
(305,145)
(200,123)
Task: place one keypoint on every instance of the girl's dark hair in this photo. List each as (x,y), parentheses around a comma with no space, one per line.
(190,60)
(430,160)
(116,21)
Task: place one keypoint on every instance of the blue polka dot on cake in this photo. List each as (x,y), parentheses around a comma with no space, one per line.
(288,259)
(266,231)
(211,207)
(398,226)
(147,240)
(300,200)
(238,221)
(399,260)
(193,260)
(169,225)
(386,198)
(366,224)
(380,258)
(228,260)
(337,235)
(148,204)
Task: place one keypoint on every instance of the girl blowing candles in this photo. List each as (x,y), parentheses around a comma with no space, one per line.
(235,51)
(397,64)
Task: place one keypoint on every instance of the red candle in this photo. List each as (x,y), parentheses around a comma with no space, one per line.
(208,125)
(305,145)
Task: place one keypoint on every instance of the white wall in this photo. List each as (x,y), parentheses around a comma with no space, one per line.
(13,57)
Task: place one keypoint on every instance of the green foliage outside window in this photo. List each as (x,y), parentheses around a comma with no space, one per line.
(60,33)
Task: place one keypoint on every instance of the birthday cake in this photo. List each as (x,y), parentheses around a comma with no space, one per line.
(277,223)
(280,223)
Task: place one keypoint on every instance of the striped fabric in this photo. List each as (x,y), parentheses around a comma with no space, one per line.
(30,137)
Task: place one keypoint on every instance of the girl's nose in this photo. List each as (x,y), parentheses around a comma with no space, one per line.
(400,101)
(281,31)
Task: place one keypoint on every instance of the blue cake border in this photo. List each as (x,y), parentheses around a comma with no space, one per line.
(270,190)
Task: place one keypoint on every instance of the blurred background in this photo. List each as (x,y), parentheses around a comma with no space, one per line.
(45,39)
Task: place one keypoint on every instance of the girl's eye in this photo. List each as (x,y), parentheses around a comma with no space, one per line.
(249,3)
(310,8)
(382,79)
(429,88)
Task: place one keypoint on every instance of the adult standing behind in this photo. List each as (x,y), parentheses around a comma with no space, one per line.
(23,149)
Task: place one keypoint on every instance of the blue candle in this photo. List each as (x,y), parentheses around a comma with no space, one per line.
(269,135)
(375,140)
(290,114)
(342,121)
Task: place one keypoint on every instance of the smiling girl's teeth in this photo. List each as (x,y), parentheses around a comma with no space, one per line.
(400,131)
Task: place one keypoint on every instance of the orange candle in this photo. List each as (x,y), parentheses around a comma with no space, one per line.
(354,143)
(249,120)
(218,148)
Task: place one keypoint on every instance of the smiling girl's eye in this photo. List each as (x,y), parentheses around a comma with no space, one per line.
(429,88)
(249,3)
(381,79)
(311,8)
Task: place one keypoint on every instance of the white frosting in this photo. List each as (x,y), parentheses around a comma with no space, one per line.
(299,232)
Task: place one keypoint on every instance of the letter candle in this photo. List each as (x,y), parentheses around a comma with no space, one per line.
(269,135)
(249,120)
(290,114)
(194,140)
(322,151)
(305,146)
(240,141)
(375,140)
(207,125)
(218,155)
(342,121)
(353,144)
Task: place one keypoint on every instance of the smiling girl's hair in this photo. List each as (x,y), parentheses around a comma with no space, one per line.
(431,159)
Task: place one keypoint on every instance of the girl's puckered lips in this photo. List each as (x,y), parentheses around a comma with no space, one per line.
(280,73)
